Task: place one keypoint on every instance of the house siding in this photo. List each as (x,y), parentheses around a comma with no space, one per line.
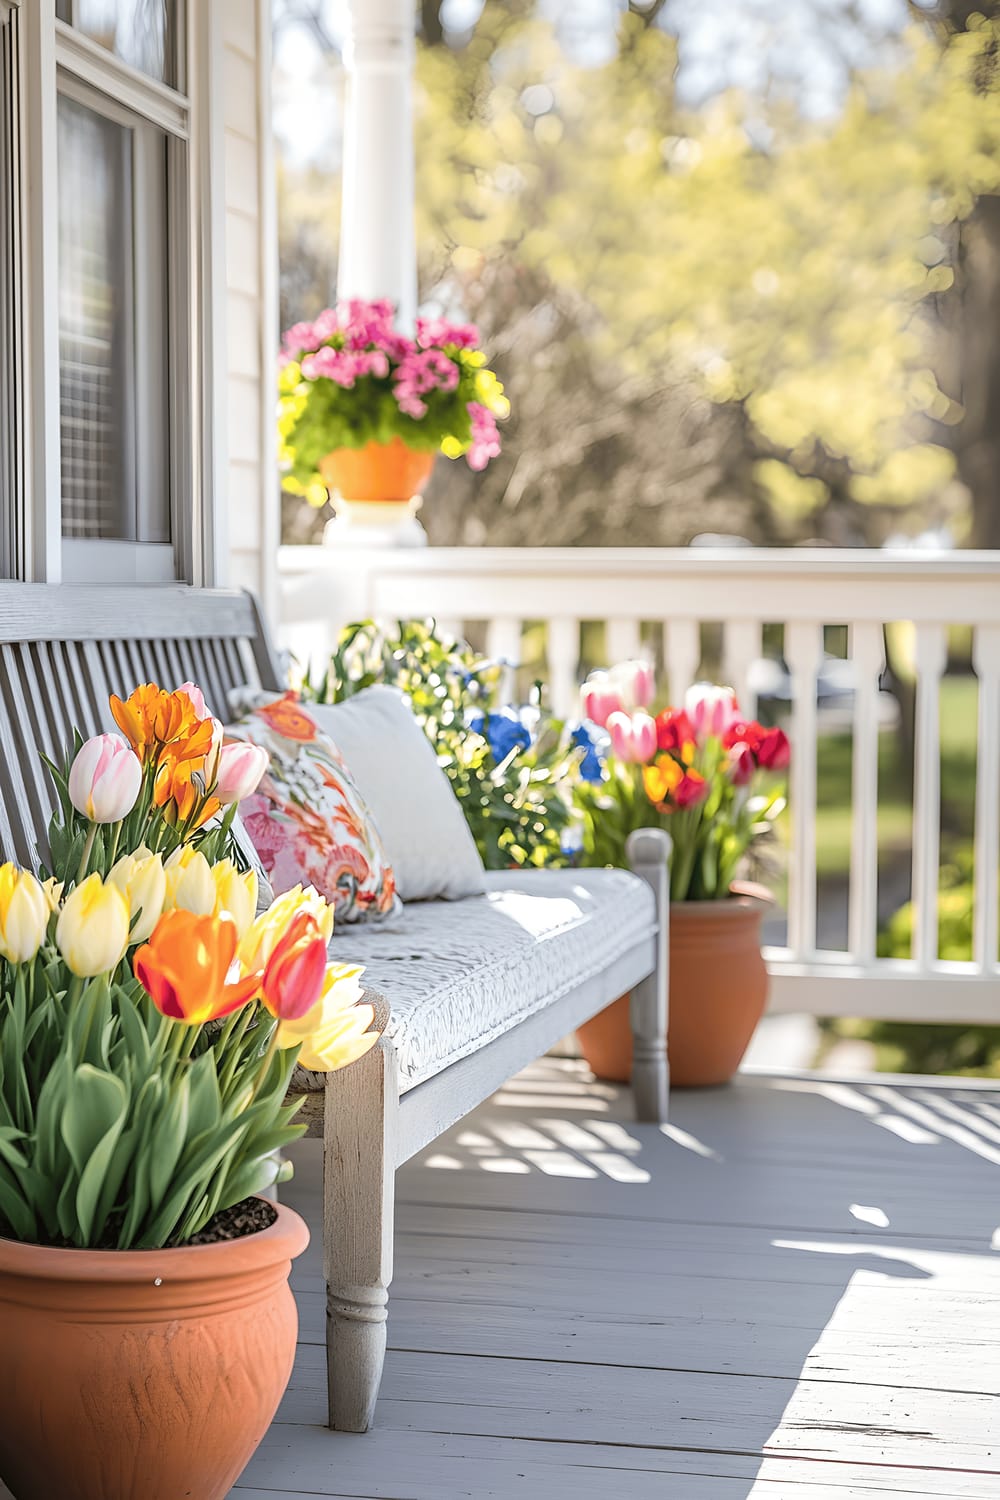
(251,333)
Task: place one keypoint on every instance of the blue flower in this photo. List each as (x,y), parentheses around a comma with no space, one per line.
(506,732)
(591,762)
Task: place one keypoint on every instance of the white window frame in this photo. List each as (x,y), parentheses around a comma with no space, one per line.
(52,56)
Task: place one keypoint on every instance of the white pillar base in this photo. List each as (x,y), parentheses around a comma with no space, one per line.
(377,523)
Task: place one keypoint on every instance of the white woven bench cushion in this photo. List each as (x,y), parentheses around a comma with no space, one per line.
(457,974)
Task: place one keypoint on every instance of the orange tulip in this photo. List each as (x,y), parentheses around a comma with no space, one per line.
(177,790)
(670,785)
(152,720)
(296,970)
(185,968)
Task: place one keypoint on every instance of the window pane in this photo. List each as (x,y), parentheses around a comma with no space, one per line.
(140,32)
(112,328)
(94,231)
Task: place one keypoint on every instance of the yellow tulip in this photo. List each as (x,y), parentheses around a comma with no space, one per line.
(336,1030)
(190,886)
(142,880)
(92,930)
(235,893)
(259,942)
(24,914)
(53,889)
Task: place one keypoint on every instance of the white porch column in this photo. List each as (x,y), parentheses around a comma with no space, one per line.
(378,255)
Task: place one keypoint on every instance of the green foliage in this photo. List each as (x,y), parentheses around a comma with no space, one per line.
(515,800)
(120,1128)
(792,279)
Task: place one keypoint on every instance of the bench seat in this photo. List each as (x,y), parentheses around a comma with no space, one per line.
(461,973)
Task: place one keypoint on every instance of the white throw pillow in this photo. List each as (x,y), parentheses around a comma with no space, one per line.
(423,828)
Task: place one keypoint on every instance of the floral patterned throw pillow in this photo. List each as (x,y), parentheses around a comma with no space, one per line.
(307,820)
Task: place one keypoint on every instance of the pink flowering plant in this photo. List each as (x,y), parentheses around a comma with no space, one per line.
(351,378)
(704,772)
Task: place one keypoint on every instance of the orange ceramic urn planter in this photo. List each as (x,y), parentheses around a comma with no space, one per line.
(718,991)
(143,1374)
(379,473)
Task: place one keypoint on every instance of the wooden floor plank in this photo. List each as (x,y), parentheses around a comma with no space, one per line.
(409,1465)
(790,1293)
(535,1399)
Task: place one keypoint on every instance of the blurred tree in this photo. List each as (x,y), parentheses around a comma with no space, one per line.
(709,318)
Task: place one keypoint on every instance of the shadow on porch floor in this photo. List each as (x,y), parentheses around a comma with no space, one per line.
(789,1292)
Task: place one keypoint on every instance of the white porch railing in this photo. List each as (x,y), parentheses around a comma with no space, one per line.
(741,590)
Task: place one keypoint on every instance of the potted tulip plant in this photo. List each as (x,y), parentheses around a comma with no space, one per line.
(710,778)
(364,408)
(149,1024)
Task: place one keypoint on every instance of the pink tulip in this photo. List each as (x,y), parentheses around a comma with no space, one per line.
(711,709)
(105,778)
(633,736)
(240,770)
(197,697)
(600,698)
(636,682)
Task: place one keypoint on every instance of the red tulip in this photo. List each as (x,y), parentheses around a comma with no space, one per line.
(673,729)
(774,752)
(769,747)
(294,973)
(691,789)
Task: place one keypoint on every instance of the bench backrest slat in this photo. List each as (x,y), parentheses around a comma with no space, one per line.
(65,648)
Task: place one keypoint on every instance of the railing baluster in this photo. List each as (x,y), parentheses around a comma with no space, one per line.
(930,655)
(683,656)
(563,660)
(868,657)
(803,653)
(741,647)
(986,660)
(503,644)
(623,641)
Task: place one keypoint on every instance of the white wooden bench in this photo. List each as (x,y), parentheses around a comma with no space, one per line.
(475,989)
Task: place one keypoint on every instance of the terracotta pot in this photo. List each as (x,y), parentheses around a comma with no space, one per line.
(143,1374)
(378,473)
(718,991)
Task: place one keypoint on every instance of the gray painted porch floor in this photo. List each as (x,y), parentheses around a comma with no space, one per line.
(789,1292)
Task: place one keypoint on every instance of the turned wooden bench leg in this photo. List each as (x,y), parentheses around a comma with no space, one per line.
(649,857)
(360,1148)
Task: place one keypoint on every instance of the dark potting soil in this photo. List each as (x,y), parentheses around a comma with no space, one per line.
(248,1217)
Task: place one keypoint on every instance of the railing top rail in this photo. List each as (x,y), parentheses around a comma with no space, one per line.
(821,585)
(813,562)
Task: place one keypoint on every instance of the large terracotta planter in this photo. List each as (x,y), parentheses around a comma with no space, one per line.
(378,474)
(143,1374)
(718,991)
